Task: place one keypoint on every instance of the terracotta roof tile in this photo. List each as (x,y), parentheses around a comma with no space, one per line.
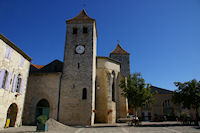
(119,50)
(38,66)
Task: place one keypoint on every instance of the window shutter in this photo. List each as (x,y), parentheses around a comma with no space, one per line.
(14,83)
(22,62)
(2,73)
(9,53)
(8,81)
(21,87)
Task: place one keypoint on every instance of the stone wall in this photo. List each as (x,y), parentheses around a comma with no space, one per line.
(125,63)
(41,86)
(122,103)
(107,72)
(7,97)
(79,71)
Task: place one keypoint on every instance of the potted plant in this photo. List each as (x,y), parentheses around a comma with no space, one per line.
(41,123)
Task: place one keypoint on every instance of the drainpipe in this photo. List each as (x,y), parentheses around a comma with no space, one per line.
(59,91)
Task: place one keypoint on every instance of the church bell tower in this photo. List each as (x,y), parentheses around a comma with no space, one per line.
(77,94)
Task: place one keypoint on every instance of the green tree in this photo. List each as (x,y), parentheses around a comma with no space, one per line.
(136,91)
(188,95)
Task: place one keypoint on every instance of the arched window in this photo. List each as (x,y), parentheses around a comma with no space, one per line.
(84,94)
(113,86)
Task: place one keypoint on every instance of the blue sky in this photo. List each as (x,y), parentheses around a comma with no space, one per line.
(163,36)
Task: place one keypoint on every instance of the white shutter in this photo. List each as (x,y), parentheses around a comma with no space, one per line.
(14,83)
(8,81)
(2,73)
(21,86)
(10,52)
(22,62)
(7,52)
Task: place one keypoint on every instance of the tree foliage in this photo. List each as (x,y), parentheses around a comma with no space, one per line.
(188,95)
(137,91)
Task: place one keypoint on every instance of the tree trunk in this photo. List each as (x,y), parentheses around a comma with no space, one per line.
(135,115)
(197,115)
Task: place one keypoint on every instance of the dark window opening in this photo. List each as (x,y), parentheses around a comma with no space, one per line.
(5,79)
(78,65)
(85,30)
(75,30)
(84,96)
(18,83)
(113,86)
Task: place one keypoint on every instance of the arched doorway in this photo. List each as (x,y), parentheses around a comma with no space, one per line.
(42,108)
(12,114)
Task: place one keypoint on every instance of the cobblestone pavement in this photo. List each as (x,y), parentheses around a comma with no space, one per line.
(119,128)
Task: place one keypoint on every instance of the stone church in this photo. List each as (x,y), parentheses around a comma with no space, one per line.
(84,88)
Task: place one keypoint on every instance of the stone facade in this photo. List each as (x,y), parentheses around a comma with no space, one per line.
(14,70)
(79,72)
(110,104)
(162,106)
(43,83)
(122,56)
(72,92)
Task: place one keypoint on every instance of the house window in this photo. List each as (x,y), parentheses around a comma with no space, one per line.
(18,83)
(8,52)
(84,94)
(85,30)
(75,30)
(4,79)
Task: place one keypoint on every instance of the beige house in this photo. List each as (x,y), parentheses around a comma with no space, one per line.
(163,108)
(84,88)
(14,71)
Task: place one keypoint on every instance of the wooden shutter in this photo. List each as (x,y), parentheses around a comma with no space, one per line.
(14,83)
(21,86)
(2,73)
(8,81)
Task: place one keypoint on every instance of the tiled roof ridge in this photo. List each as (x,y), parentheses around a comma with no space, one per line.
(38,66)
(82,15)
(119,50)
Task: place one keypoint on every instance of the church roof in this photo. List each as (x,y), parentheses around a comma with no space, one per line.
(107,58)
(81,16)
(160,90)
(119,50)
(52,67)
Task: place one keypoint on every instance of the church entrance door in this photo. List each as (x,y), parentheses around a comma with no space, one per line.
(42,108)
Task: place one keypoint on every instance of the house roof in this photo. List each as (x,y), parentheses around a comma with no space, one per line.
(119,50)
(12,45)
(160,90)
(38,66)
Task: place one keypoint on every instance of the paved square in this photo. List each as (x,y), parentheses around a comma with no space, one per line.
(123,129)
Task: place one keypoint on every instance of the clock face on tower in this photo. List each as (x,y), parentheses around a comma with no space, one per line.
(80,49)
